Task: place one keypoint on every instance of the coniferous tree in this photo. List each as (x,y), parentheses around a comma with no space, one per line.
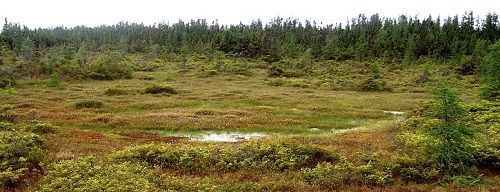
(449,141)
(490,73)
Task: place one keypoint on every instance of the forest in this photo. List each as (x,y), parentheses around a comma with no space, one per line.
(387,104)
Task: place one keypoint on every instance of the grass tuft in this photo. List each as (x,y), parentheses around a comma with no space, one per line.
(159,88)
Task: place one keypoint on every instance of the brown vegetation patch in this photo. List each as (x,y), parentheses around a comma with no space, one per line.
(80,143)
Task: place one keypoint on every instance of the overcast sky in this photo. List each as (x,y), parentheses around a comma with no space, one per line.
(70,13)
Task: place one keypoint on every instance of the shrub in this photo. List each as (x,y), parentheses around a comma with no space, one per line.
(54,81)
(276,82)
(490,73)
(89,104)
(275,70)
(9,89)
(416,168)
(108,67)
(333,177)
(87,175)
(20,156)
(5,126)
(485,116)
(115,91)
(6,115)
(41,128)
(374,84)
(6,81)
(253,155)
(159,88)
(374,80)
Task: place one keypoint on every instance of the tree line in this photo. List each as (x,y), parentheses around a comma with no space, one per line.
(403,40)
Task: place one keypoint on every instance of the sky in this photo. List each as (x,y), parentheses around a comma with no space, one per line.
(70,13)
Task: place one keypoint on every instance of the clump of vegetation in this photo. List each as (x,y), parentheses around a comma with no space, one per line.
(115,91)
(6,115)
(9,89)
(4,82)
(89,104)
(87,175)
(108,67)
(159,88)
(20,157)
(491,73)
(333,177)
(54,81)
(485,116)
(264,156)
(40,128)
(374,80)
(441,145)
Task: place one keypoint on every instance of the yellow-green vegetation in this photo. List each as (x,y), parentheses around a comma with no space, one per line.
(112,135)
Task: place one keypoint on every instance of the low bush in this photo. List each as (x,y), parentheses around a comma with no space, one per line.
(88,104)
(159,88)
(20,157)
(6,115)
(486,117)
(4,82)
(414,168)
(87,175)
(54,81)
(40,128)
(115,91)
(107,67)
(332,177)
(6,126)
(264,156)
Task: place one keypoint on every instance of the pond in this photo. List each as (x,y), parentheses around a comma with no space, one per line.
(225,137)
(237,137)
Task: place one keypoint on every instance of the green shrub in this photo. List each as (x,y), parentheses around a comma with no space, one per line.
(87,175)
(54,81)
(159,88)
(6,115)
(275,70)
(9,89)
(4,82)
(6,126)
(41,128)
(253,155)
(416,168)
(202,73)
(20,156)
(89,104)
(486,117)
(333,177)
(276,82)
(115,91)
(374,84)
(108,67)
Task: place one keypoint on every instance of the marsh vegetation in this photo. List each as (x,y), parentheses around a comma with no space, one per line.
(280,107)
